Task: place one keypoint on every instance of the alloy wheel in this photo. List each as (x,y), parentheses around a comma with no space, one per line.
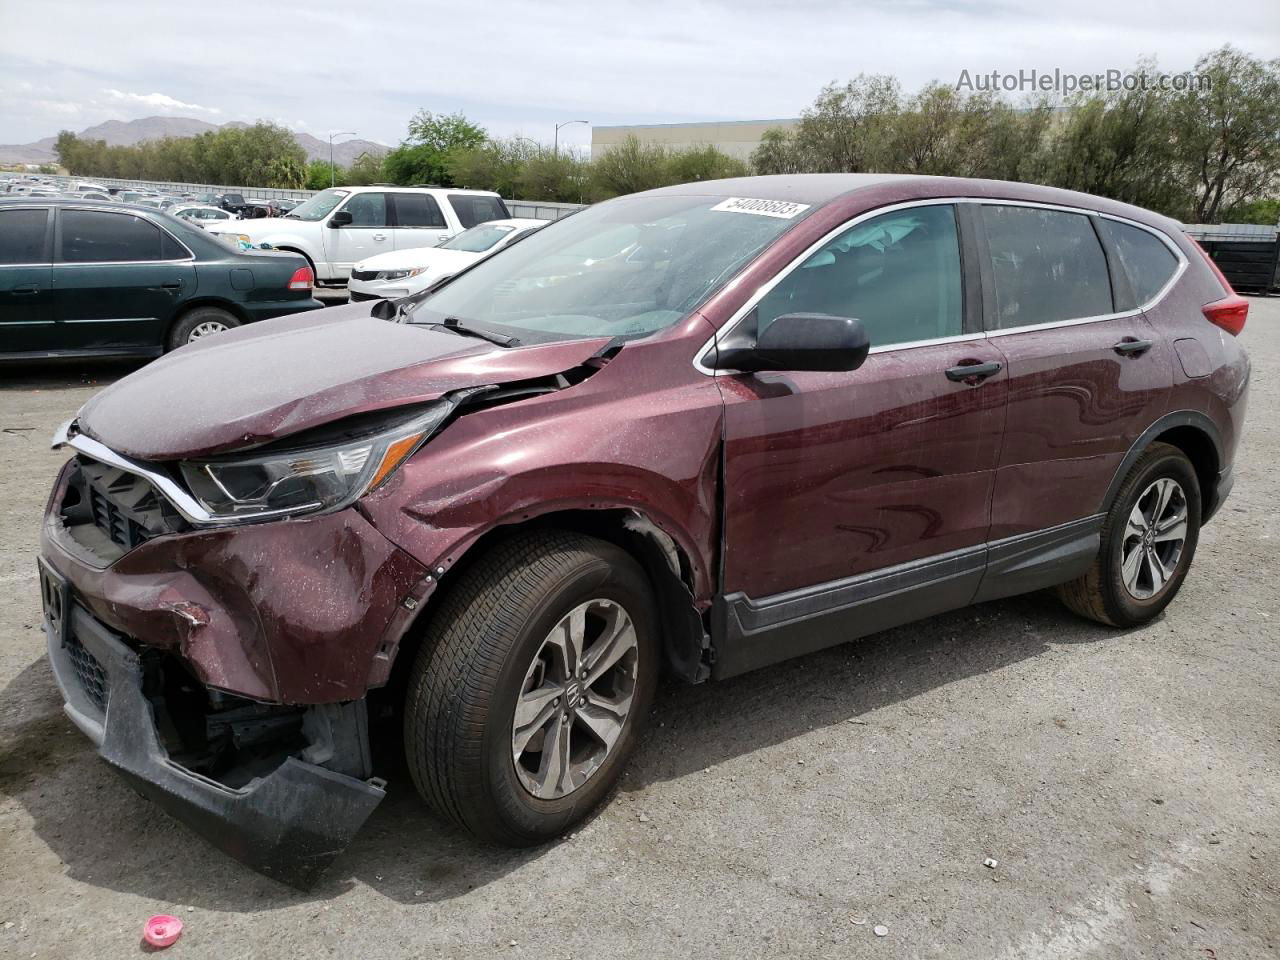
(575,699)
(1154,538)
(206,329)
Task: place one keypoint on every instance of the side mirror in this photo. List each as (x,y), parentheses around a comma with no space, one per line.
(797,341)
(340,219)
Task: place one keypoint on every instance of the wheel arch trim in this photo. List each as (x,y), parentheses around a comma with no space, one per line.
(1197,421)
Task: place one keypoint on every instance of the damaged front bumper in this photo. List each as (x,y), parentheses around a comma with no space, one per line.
(288,822)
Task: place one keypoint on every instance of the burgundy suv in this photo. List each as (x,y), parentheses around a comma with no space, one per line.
(699,429)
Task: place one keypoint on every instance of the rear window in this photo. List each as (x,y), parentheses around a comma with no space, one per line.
(92,236)
(1146,261)
(472,209)
(22,236)
(1047,266)
(418,210)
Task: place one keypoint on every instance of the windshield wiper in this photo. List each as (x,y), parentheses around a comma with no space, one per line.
(456,325)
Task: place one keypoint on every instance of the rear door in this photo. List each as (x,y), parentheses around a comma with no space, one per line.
(26,280)
(368,233)
(1087,372)
(419,221)
(118,280)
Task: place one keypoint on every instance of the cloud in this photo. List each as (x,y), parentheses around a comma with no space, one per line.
(160,101)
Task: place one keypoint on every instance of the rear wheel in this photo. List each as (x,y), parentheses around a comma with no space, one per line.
(532,686)
(1148,541)
(199,323)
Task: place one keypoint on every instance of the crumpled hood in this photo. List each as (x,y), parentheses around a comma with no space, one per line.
(277,377)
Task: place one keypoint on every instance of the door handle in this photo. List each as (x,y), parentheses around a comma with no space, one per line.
(1130,347)
(25,290)
(973,373)
(379,236)
(177,285)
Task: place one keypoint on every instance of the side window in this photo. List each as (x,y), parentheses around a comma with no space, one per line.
(22,235)
(898,273)
(1147,262)
(368,210)
(472,209)
(93,236)
(1047,266)
(418,210)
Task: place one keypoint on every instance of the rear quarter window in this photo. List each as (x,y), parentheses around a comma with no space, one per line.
(477,209)
(1147,262)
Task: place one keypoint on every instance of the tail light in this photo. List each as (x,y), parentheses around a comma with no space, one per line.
(1231,311)
(302,279)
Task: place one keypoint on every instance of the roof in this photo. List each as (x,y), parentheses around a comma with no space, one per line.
(818,189)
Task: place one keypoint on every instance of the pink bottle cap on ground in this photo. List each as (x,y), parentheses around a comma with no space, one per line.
(162,930)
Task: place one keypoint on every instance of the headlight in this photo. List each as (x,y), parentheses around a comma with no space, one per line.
(400,274)
(307,480)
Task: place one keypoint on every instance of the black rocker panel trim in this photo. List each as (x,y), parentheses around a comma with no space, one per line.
(749,633)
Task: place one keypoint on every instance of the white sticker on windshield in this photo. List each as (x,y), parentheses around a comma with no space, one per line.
(782,209)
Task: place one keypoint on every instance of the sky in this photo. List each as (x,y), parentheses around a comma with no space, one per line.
(518,68)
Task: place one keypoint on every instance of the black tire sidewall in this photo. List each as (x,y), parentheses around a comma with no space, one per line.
(1122,607)
(611,575)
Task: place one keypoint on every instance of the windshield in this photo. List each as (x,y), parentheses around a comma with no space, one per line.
(625,268)
(319,206)
(477,239)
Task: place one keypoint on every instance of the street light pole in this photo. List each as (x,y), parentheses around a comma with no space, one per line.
(333,172)
(556,148)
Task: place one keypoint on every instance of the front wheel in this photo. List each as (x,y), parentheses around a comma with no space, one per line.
(531,688)
(1148,540)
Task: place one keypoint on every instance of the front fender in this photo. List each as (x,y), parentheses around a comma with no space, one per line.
(578,449)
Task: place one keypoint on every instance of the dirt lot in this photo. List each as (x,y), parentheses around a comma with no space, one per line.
(1128,783)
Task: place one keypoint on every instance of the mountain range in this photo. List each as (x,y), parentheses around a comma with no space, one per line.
(128,132)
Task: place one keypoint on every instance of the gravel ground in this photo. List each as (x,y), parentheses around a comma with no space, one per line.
(1127,783)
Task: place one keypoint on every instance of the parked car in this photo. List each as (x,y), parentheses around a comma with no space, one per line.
(86,278)
(284,205)
(401,273)
(700,429)
(231,202)
(339,227)
(200,214)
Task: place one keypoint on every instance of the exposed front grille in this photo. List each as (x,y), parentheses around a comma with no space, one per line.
(364,274)
(355,296)
(110,511)
(93,679)
(112,521)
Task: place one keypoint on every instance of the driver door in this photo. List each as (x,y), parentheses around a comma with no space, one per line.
(858,500)
(368,233)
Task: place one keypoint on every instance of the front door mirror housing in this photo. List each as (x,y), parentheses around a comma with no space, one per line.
(340,219)
(795,341)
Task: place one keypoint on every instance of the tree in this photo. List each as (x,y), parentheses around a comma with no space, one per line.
(1227,131)
(367,169)
(560,176)
(423,157)
(702,163)
(846,129)
(492,165)
(776,153)
(321,176)
(627,168)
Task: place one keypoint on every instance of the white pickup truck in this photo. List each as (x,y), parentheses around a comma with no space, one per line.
(339,227)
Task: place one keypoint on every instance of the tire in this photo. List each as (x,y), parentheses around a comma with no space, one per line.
(1121,596)
(490,645)
(198,323)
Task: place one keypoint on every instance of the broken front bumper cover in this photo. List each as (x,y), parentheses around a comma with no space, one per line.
(289,824)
